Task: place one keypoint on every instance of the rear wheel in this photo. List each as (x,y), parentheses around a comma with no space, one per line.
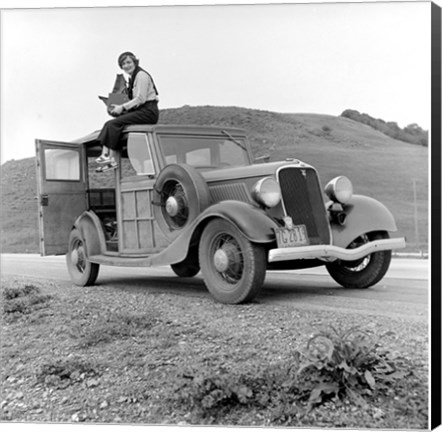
(232,266)
(82,271)
(365,272)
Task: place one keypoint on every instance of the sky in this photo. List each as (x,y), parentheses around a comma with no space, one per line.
(290,58)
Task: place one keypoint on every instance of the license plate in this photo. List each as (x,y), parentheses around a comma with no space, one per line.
(296,236)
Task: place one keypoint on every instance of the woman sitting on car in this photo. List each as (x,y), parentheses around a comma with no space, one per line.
(141,108)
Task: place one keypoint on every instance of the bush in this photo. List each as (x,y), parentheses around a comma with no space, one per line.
(207,392)
(210,394)
(61,373)
(411,134)
(10,293)
(334,365)
(23,300)
(348,363)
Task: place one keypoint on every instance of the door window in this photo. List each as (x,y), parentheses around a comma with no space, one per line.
(139,154)
(62,164)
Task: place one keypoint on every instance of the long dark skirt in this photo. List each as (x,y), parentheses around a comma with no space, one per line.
(112,130)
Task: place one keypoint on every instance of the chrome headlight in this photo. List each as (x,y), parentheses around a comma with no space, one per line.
(267,192)
(340,189)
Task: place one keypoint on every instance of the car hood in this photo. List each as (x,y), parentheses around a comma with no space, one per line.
(257,170)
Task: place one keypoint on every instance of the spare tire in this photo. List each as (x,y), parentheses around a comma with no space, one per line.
(180,194)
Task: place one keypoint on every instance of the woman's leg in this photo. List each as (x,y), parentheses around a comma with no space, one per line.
(111,132)
(112,154)
(104,155)
(110,135)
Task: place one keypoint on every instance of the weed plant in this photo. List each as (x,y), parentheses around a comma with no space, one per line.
(334,366)
(350,364)
(22,300)
(60,373)
(10,293)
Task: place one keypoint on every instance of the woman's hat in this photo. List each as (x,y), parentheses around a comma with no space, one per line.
(124,55)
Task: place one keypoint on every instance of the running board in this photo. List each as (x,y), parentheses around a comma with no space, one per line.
(121,261)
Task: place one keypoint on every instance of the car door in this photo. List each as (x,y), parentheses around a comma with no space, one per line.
(139,232)
(62,192)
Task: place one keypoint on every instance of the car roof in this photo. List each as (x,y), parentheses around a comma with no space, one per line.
(167,129)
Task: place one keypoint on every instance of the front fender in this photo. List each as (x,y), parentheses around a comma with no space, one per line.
(364,214)
(91,230)
(251,221)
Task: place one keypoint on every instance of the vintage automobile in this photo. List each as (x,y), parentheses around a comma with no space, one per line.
(192,197)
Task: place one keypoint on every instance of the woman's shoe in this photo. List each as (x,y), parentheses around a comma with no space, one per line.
(110,166)
(102,159)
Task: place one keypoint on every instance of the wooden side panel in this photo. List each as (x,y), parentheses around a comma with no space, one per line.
(137,221)
(161,240)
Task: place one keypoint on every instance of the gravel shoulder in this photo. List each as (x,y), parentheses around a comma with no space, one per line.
(107,354)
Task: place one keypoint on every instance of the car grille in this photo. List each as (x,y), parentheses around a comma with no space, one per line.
(302,198)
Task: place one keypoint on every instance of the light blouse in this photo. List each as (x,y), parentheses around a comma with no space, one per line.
(142,92)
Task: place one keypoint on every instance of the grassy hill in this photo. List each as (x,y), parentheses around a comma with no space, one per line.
(379,166)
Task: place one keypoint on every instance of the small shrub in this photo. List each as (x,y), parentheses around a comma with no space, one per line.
(23,300)
(61,373)
(209,393)
(10,293)
(349,363)
(335,365)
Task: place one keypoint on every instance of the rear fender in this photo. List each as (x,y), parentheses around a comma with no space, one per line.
(91,231)
(364,214)
(253,223)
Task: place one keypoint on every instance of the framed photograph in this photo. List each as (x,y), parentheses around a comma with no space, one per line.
(252,240)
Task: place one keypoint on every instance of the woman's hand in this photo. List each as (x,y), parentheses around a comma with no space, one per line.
(117,109)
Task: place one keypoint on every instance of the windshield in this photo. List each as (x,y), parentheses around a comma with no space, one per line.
(204,152)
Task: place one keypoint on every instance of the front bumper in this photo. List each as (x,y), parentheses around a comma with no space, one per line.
(330,253)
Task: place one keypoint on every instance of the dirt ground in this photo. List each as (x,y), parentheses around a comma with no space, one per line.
(106,354)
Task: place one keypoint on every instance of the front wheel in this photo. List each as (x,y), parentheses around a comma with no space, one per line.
(365,272)
(82,271)
(233,267)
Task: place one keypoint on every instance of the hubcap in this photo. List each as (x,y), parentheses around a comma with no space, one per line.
(221,260)
(174,203)
(74,257)
(172,206)
(227,259)
(78,258)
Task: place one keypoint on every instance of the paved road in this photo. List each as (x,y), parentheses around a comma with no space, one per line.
(404,291)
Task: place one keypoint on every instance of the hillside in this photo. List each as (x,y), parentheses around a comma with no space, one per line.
(378,166)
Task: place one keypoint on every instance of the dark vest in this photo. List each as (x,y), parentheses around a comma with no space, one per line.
(132,80)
